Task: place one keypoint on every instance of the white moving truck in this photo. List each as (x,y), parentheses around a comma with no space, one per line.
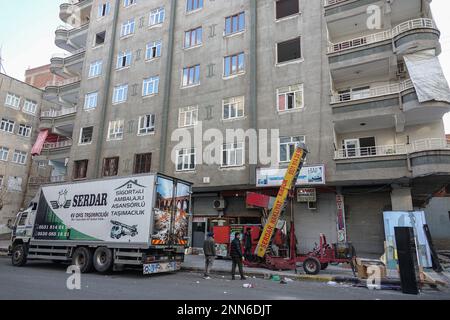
(140,221)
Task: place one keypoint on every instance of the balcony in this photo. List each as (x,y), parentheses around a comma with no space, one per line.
(68,65)
(71,39)
(393,150)
(63,92)
(58,145)
(38,181)
(59,122)
(396,33)
(76,11)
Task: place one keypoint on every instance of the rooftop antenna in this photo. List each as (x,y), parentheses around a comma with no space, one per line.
(2,68)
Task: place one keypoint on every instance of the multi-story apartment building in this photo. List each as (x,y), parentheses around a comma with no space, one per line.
(329,73)
(20,105)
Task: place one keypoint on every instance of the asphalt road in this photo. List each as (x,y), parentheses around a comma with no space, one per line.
(42,280)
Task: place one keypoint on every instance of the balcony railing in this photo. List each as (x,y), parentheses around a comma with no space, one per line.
(68,55)
(381,36)
(60,83)
(374,92)
(57,145)
(58,113)
(333,2)
(46,180)
(392,150)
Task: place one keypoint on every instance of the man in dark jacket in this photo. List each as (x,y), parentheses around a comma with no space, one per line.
(236,256)
(209,249)
(248,243)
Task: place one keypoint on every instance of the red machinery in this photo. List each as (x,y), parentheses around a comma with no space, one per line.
(223,235)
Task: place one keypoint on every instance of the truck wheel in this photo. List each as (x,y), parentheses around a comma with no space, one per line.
(82,258)
(19,255)
(103,259)
(312,266)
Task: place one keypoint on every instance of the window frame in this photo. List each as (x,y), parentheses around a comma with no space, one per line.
(300,59)
(20,157)
(183,114)
(196,76)
(26,128)
(184,154)
(116,93)
(13,98)
(289,144)
(151,82)
(157,17)
(128,28)
(149,130)
(233,58)
(95,69)
(6,123)
(232,101)
(153,47)
(88,99)
(5,152)
(236,147)
(124,56)
(26,107)
(198,35)
(80,140)
(290,90)
(232,24)
(142,164)
(77,168)
(116,130)
(194,9)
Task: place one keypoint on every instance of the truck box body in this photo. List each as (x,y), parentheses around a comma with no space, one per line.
(144,219)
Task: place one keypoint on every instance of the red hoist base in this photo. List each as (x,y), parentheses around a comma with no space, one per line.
(313,262)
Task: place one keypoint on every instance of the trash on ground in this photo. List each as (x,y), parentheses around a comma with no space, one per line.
(276,278)
(247,285)
(332,283)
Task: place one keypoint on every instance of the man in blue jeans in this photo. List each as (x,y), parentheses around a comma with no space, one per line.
(236,256)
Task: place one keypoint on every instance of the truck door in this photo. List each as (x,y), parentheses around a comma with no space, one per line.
(182,203)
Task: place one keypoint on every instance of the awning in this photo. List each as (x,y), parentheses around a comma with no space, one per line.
(427,76)
(39,144)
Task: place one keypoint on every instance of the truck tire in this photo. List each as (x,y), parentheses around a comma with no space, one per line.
(103,259)
(312,266)
(19,255)
(82,258)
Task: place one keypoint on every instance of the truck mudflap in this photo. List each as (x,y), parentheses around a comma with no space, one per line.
(161,267)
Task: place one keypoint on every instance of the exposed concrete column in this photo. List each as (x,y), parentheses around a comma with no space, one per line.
(401,198)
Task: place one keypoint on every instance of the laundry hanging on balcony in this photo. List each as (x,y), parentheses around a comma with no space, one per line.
(427,76)
(39,144)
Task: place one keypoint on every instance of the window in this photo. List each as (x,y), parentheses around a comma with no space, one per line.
(289,98)
(287,147)
(19,157)
(15,184)
(7,125)
(86,135)
(100,38)
(115,131)
(30,107)
(188,117)
(234,64)
(1,182)
(127,3)
(90,101)
(12,100)
(120,94)
(80,169)
(186,159)
(233,108)
(286,8)
(360,147)
(124,59)
(146,124)
(103,9)
(24,130)
(354,93)
(192,5)
(110,167)
(289,50)
(4,152)
(191,76)
(157,16)
(193,37)
(127,28)
(235,23)
(142,163)
(153,50)
(150,86)
(95,69)
(233,154)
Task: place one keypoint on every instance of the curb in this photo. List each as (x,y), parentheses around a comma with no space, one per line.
(298,277)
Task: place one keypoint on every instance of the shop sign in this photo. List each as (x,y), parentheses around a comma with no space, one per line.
(306,195)
(309,175)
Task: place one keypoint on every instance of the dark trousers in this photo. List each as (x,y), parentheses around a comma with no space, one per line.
(237,261)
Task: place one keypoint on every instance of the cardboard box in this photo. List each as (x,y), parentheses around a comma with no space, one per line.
(363,265)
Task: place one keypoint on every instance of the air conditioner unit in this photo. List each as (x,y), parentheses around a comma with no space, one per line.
(312,205)
(219,204)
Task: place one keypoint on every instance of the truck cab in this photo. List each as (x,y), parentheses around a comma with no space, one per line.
(22,230)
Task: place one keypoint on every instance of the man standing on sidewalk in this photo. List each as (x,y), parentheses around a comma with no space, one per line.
(209,249)
(236,256)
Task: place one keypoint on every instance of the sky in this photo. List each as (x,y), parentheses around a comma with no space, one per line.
(27,34)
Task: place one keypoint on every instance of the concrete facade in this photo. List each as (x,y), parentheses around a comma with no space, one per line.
(380,139)
(14,170)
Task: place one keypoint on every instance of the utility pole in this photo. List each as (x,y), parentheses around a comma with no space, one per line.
(2,68)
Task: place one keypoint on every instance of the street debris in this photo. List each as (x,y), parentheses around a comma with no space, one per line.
(247,285)
(332,283)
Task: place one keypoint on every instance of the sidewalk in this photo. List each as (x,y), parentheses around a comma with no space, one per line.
(196,263)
